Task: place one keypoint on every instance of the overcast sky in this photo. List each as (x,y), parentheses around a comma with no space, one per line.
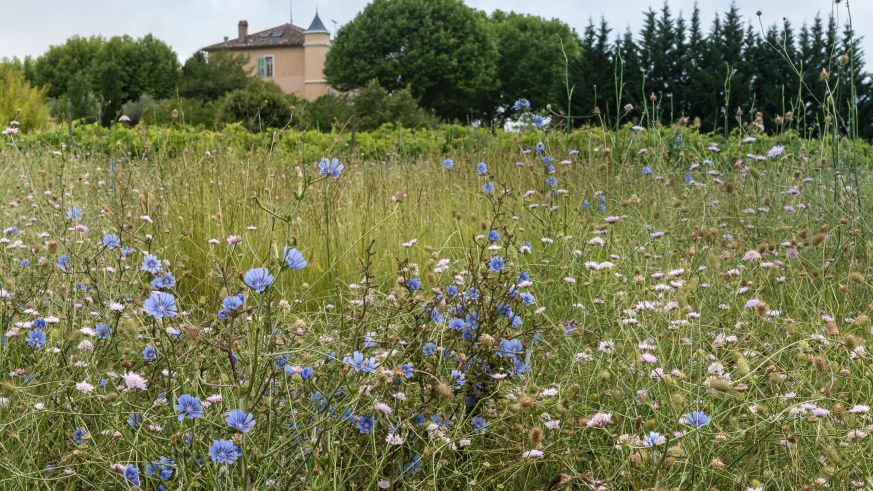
(29,27)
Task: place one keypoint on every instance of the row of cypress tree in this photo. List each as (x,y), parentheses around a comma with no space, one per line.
(802,78)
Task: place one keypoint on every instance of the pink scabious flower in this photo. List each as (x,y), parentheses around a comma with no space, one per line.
(612,219)
(393,439)
(385,408)
(860,409)
(533,454)
(84,387)
(599,420)
(753,302)
(550,392)
(234,240)
(752,256)
(10,131)
(648,358)
(134,380)
(855,436)
(553,424)
(776,151)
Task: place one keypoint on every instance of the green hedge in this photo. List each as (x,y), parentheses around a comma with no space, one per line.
(677,145)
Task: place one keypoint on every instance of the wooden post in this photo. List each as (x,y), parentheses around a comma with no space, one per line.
(70,123)
(354,132)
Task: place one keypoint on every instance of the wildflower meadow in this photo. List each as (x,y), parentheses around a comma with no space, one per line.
(636,308)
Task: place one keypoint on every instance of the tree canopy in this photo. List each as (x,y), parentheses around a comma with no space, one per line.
(441,49)
(207,79)
(108,73)
(533,54)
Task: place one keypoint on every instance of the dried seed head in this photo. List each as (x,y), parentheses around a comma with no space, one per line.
(527,402)
(535,435)
(443,390)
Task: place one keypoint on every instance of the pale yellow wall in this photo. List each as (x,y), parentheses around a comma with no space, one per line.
(316,45)
(297,70)
(288,67)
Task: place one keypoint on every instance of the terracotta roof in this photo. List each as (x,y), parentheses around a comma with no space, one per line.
(284,35)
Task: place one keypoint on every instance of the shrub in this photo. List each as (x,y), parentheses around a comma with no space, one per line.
(328,112)
(79,102)
(376,106)
(135,109)
(260,107)
(183,110)
(209,79)
(20,101)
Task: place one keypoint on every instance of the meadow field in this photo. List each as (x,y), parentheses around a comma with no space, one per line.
(645,308)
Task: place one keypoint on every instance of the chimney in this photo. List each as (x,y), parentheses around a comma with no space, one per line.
(243,31)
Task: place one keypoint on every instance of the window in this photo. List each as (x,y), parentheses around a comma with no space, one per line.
(265,67)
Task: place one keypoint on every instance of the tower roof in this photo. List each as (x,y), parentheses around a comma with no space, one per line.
(317,25)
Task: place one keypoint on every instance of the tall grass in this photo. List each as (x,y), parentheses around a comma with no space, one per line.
(731,283)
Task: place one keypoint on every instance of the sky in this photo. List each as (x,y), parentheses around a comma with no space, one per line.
(29,27)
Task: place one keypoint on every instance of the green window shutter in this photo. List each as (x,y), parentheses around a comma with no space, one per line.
(262,67)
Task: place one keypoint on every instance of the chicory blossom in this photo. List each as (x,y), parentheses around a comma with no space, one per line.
(294,259)
(189,407)
(258,279)
(332,168)
(160,305)
(240,420)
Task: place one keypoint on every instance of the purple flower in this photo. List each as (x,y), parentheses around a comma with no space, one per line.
(240,420)
(258,279)
(224,452)
(332,168)
(160,305)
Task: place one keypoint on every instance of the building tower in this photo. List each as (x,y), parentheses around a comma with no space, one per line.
(316,43)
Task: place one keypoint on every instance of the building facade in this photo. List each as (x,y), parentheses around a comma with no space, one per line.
(287,55)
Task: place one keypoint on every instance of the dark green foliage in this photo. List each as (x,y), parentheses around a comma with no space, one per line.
(731,75)
(136,109)
(593,73)
(185,111)
(328,112)
(375,106)
(260,107)
(531,59)
(441,49)
(94,77)
(208,79)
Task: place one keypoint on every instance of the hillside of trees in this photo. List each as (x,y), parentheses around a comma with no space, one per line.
(417,62)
